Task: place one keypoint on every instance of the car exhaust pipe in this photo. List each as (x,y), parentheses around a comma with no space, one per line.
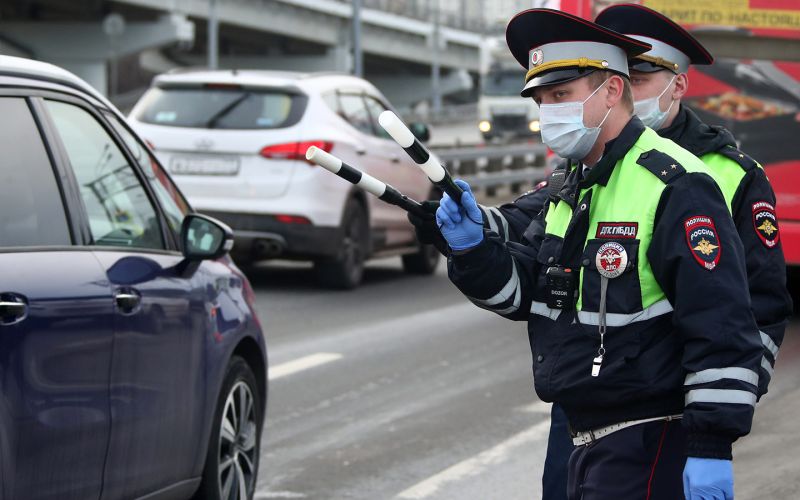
(267,248)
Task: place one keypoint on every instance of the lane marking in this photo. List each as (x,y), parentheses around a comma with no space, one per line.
(304,363)
(279,494)
(477,464)
(537,407)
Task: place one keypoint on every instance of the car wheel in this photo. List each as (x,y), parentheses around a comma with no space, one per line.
(346,269)
(231,467)
(424,261)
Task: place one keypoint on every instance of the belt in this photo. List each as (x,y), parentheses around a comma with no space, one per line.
(586,437)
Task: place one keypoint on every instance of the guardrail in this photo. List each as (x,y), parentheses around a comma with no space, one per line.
(488,168)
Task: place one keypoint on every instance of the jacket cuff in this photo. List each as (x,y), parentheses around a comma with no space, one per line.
(472,257)
(702,445)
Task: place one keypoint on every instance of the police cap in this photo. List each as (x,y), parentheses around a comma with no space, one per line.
(556,47)
(673,47)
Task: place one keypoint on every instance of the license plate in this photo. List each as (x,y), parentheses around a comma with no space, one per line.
(223,165)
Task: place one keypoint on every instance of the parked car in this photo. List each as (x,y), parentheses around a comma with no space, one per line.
(235,142)
(132,362)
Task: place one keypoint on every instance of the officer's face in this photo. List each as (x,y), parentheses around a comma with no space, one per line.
(647,85)
(594,109)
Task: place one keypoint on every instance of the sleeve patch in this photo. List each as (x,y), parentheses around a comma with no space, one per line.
(701,236)
(765,223)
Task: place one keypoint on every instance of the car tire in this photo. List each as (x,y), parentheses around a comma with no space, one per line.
(423,262)
(233,456)
(345,270)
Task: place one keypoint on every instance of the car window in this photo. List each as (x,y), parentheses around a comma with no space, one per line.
(119,211)
(171,200)
(375,108)
(355,112)
(31,207)
(229,107)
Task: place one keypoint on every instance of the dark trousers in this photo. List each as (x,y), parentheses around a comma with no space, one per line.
(641,462)
(559,449)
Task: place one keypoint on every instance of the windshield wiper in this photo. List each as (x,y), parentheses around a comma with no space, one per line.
(227,109)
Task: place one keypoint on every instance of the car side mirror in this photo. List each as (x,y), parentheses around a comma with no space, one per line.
(420,131)
(205,238)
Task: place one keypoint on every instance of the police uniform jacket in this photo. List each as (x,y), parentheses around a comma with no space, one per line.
(752,202)
(697,351)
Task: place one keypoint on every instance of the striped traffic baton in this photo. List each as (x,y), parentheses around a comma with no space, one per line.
(365,181)
(421,156)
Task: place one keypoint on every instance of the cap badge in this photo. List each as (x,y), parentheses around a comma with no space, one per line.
(537,57)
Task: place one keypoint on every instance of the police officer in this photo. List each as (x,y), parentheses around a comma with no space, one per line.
(659,81)
(634,287)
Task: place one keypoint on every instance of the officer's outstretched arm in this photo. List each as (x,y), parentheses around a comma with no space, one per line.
(697,259)
(756,222)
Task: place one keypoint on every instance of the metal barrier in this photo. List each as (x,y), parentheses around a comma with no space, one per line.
(488,168)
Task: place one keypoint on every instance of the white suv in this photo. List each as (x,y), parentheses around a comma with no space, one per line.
(235,143)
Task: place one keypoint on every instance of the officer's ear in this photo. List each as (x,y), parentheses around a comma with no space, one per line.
(616,90)
(681,86)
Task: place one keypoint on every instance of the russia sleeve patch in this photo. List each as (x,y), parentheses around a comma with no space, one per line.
(701,236)
(765,223)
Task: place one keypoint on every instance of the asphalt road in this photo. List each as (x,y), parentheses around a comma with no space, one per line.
(402,389)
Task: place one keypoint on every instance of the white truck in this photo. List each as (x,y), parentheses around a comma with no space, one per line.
(502,113)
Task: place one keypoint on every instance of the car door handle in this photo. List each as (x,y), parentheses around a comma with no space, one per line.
(12,310)
(395,158)
(127,301)
(361,151)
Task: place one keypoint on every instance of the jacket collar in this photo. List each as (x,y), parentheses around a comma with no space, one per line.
(615,150)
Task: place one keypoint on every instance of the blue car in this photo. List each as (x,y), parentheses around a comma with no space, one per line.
(132,362)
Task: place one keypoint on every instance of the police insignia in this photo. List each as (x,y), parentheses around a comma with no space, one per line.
(701,236)
(765,223)
(611,259)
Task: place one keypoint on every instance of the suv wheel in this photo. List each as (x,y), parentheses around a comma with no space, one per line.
(346,269)
(231,465)
(422,262)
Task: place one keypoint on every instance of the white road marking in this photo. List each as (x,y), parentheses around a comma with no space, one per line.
(279,494)
(304,363)
(477,464)
(537,407)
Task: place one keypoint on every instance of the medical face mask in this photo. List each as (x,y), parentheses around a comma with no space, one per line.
(563,130)
(649,110)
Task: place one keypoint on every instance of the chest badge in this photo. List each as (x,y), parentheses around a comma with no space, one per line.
(611,259)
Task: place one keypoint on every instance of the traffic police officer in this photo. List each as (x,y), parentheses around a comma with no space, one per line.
(659,81)
(634,287)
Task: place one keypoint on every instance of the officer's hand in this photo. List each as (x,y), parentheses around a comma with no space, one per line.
(708,479)
(427,231)
(461,225)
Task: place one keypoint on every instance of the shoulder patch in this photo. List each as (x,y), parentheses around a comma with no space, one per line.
(765,223)
(661,165)
(742,159)
(701,236)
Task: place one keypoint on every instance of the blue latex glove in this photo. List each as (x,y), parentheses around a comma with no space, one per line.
(708,479)
(461,225)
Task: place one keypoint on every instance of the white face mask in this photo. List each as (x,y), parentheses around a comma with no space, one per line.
(563,130)
(649,110)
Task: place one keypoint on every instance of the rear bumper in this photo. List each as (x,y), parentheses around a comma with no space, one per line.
(259,237)
(790,241)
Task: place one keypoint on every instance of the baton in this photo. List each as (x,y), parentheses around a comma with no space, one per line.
(365,181)
(421,156)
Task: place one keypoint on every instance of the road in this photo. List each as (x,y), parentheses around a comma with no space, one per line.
(402,389)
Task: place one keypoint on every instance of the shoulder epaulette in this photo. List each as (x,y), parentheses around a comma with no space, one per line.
(662,165)
(742,159)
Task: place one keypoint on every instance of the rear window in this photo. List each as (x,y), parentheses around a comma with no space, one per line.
(221,108)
